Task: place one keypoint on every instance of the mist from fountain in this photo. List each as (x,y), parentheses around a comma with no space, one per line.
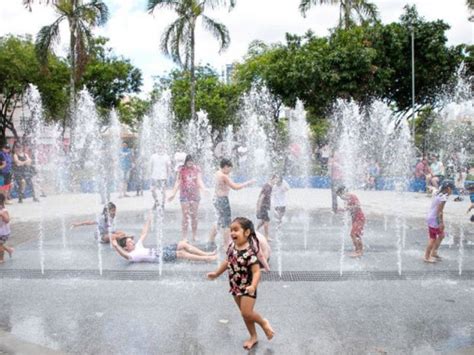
(87,162)
(37,125)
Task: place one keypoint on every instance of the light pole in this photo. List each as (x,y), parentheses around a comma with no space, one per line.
(413,80)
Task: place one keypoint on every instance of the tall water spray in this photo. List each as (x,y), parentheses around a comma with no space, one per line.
(86,150)
(368,139)
(299,157)
(36,124)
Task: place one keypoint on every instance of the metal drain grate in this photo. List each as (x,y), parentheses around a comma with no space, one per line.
(273,276)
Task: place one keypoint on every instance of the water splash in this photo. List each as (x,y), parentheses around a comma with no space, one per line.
(36,132)
(87,164)
(461,248)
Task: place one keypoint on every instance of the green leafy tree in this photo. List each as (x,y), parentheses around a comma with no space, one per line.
(436,63)
(108,77)
(179,38)
(133,110)
(81,19)
(221,101)
(350,11)
(362,63)
(18,68)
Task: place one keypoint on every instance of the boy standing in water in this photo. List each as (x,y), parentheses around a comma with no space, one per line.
(264,204)
(436,222)
(358,219)
(223,183)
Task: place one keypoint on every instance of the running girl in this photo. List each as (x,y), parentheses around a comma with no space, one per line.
(4,230)
(358,219)
(436,222)
(244,275)
(136,252)
(105,224)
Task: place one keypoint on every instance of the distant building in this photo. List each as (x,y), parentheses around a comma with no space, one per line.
(229,72)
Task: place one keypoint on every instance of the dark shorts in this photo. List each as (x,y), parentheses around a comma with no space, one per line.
(245,295)
(7,178)
(169,253)
(4,238)
(263,214)
(223,212)
(160,184)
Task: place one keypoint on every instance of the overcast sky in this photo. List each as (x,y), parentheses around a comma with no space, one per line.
(135,34)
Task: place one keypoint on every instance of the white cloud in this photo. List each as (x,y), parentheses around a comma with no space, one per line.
(135,34)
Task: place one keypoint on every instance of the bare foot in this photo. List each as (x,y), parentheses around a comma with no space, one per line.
(10,251)
(430,260)
(356,254)
(436,256)
(267,328)
(249,344)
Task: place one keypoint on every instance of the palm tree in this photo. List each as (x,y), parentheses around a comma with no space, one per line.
(349,10)
(81,18)
(179,38)
(470,6)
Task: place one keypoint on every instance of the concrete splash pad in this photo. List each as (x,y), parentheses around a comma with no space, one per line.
(317,304)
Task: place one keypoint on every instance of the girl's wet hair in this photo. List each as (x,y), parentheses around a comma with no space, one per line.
(123,241)
(340,190)
(445,185)
(109,206)
(246,223)
(189,158)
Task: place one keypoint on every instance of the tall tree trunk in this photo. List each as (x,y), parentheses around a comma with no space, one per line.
(347,13)
(72,54)
(193,79)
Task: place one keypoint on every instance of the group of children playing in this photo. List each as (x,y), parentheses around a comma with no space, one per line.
(246,250)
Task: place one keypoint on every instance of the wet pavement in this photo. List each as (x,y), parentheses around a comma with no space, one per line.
(67,294)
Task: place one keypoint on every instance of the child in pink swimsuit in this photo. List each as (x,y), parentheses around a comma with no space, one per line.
(358,219)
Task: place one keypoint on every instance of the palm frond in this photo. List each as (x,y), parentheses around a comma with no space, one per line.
(164,4)
(218,30)
(366,10)
(213,4)
(96,13)
(28,3)
(45,40)
(174,39)
(305,5)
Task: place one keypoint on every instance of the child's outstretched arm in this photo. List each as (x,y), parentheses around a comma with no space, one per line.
(119,249)
(215,274)
(146,228)
(236,186)
(85,223)
(255,279)
(175,188)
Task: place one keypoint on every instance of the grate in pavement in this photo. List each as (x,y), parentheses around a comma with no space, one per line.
(273,276)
